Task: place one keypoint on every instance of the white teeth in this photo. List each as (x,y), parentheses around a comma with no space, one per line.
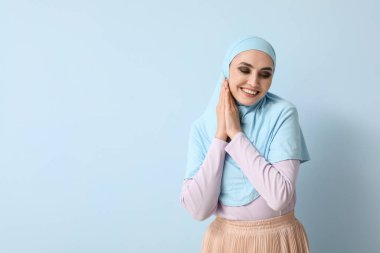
(250,92)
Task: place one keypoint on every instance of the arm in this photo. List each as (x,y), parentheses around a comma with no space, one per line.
(200,194)
(275,182)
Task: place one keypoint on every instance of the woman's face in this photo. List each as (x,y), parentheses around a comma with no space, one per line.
(252,70)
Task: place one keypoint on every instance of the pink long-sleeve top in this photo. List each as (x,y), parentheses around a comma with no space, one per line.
(274,182)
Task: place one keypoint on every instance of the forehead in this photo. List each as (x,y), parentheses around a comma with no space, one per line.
(254,57)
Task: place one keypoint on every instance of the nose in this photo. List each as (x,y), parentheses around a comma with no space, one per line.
(254,79)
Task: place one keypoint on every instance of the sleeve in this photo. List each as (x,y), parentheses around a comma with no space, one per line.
(275,182)
(200,192)
(196,151)
(288,141)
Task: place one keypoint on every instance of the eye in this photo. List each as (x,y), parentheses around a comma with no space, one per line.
(265,75)
(244,70)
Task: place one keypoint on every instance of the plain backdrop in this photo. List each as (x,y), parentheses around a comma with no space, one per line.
(97,97)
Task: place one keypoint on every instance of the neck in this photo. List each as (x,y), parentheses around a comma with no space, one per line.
(244,109)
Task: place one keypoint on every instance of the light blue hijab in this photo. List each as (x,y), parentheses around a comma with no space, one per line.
(271,125)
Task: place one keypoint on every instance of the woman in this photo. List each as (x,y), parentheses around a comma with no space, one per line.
(243,159)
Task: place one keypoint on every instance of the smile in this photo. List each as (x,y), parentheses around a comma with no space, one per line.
(249,93)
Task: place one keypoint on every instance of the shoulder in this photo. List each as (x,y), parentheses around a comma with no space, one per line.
(279,106)
(198,125)
(198,132)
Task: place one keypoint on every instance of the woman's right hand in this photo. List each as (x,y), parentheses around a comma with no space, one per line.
(221,132)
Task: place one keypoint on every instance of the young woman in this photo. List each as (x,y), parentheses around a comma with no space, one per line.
(243,158)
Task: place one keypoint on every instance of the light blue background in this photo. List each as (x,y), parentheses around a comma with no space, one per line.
(97,97)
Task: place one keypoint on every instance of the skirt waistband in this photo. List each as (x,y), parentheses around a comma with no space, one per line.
(271,223)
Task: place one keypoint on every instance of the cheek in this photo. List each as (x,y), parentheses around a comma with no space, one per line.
(233,88)
(267,85)
(232,82)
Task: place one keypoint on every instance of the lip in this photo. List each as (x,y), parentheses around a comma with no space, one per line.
(250,95)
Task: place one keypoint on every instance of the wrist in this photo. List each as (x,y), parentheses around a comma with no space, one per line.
(221,136)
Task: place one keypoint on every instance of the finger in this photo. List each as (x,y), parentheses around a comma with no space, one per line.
(229,96)
(222,89)
(228,93)
(222,102)
(221,94)
(227,99)
(230,101)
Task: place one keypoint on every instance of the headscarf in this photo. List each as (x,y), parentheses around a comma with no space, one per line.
(271,124)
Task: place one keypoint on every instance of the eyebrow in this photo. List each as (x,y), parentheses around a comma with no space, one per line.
(249,65)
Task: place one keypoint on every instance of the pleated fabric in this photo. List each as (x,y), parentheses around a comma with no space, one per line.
(282,234)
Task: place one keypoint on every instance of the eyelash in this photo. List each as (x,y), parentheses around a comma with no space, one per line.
(247,72)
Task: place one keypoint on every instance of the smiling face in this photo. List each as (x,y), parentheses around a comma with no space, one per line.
(250,76)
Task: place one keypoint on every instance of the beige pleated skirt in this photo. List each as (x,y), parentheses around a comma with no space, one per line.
(276,235)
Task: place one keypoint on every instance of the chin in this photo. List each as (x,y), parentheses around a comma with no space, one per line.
(249,102)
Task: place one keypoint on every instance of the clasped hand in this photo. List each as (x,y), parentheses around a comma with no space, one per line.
(227,114)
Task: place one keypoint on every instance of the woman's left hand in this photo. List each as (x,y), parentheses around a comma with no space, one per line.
(231,114)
